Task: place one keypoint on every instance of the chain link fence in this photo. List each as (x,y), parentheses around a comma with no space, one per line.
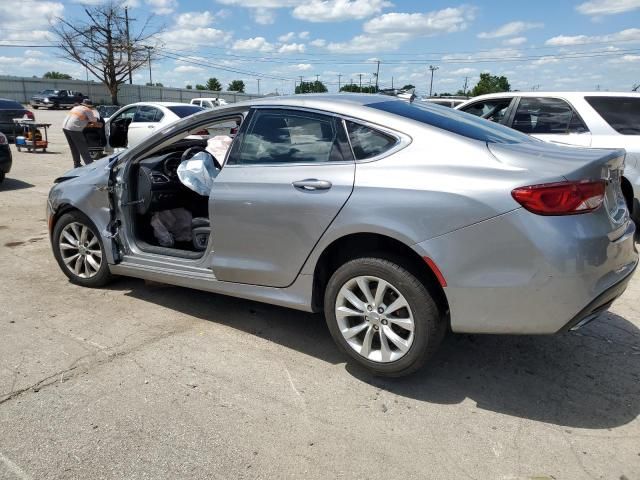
(22,89)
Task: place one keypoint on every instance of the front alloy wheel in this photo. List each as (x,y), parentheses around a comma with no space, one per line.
(79,250)
(383,316)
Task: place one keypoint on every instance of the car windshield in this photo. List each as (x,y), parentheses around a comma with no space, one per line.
(9,104)
(453,121)
(185,110)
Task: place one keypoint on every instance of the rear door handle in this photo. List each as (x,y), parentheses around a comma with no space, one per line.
(312,184)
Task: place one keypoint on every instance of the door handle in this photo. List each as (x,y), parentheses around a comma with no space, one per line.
(150,126)
(312,184)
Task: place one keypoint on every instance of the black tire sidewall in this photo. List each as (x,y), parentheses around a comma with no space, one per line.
(429,327)
(104,275)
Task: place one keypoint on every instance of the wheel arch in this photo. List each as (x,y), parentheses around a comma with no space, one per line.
(627,192)
(358,245)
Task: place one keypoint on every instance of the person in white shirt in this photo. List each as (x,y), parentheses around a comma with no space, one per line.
(80,117)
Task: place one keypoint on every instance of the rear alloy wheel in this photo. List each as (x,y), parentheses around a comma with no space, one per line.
(79,251)
(382,316)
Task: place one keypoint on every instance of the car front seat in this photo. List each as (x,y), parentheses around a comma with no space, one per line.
(200,232)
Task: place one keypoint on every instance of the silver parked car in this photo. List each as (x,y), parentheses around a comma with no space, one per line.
(398,220)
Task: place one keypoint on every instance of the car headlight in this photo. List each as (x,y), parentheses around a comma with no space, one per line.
(45,100)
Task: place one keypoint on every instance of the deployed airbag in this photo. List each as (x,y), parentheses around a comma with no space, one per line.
(170,226)
(198,173)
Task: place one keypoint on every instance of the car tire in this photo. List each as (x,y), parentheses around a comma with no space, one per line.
(85,263)
(388,342)
(2,175)
(56,106)
(34,107)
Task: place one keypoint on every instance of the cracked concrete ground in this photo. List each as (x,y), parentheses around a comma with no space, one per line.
(151,381)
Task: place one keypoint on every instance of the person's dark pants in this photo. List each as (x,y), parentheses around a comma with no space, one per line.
(79,148)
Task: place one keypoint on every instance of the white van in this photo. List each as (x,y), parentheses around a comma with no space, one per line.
(208,102)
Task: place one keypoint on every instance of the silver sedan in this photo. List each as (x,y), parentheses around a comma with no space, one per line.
(398,220)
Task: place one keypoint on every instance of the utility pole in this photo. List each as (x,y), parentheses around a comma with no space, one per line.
(466,84)
(258,86)
(360,75)
(377,73)
(149,59)
(391,83)
(126,20)
(433,69)
(339,77)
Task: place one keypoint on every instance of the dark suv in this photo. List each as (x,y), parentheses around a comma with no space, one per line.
(57,99)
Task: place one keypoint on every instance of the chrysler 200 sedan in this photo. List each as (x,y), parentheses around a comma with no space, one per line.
(398,220)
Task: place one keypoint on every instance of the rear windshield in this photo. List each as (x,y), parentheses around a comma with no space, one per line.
(453,121)
(621,113)
(6,104)
(185,110)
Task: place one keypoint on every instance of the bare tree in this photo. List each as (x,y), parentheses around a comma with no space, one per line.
(106,43)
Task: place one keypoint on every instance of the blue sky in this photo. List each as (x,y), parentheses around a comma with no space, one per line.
(552,45)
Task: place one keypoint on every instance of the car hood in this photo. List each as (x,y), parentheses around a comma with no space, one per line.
(91,169)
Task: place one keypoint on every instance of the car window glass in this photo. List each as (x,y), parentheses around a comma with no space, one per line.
(493,109)
(367,142)
(621,113)
(6,104)
(127,114)
(452,121)
(183,111)
(207,104)
(147,114)
(290,137)
(547,116)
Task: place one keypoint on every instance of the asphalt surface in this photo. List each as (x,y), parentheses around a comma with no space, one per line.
(143,380)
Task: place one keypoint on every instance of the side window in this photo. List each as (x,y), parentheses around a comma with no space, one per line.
(287,136)
(126,115)
(147,114)
(367,142)
(547,115)
(493,110)
(621,113)
(207,104)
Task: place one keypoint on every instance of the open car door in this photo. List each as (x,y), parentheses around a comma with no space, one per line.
(118,128)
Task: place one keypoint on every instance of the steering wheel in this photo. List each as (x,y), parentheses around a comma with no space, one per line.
(190,152)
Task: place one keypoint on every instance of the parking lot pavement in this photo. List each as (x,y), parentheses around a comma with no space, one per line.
(151,381)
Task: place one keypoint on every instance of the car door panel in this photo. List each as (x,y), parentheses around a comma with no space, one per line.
(267,218)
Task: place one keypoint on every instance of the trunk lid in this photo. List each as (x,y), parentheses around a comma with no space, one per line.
(574,164)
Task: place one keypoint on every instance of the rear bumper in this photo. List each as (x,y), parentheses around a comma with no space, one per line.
(600,304)
(520,273)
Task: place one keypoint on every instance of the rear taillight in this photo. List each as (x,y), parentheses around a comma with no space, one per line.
(29,115)
(561,198)
(3,139)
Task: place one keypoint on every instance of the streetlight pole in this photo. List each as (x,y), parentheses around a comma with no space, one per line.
(149,48)
(433,69)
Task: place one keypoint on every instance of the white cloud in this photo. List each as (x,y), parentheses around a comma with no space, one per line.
(195,19)
(189,37)
(338,10)
(509,29)
(264,16)
(607,7)
(512,42)
(255,44)
(287,37)
(162,7)
(318,42)
(369,43)
(545,61)
(628,35)
(493,54)
(188,69)
(303,35)
(463,71)
(292,48)
(303,66)
(28,15)
(447,20)
(261,3)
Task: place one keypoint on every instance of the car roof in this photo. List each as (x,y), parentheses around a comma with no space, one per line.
(158,104)
(205,98)
(555,94)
